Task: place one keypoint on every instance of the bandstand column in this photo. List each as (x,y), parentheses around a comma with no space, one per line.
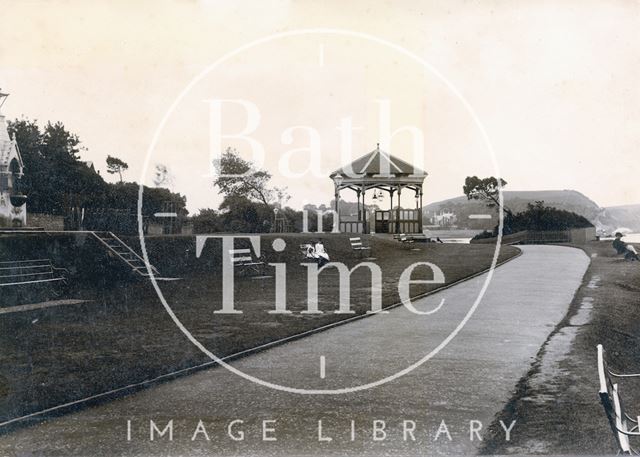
(364,215)
(418,227)
(337,206)
(391,192)
(398,211)
(420,208)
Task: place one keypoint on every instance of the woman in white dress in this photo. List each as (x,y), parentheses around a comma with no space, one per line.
(320,254)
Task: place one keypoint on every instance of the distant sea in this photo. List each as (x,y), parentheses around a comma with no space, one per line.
(628,238)
(456,240)
(631,238)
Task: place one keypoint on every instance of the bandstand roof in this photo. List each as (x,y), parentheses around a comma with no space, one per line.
(382,167)
(8,147)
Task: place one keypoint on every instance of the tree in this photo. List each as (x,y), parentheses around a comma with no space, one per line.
(241,215)
(60,145)
(56,180)
(240,178)
(207,221)
(486,190)
(115,165)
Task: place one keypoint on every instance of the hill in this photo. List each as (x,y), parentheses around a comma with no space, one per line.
(627,216)
(605,219)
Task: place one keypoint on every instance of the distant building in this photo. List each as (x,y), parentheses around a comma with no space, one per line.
(13,204)
(443,218)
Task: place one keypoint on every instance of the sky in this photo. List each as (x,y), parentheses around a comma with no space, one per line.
(551,87)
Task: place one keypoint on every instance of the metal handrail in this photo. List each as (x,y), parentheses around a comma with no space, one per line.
(26,274)
(613,406)
(133,252)
(48,264)
(110,248)
(25,261)
(25,267)
(37,281)
(628,432)
(617,375)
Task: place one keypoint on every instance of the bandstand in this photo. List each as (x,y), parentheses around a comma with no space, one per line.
(380,172)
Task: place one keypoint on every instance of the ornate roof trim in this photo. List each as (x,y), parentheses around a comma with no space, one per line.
(378,163)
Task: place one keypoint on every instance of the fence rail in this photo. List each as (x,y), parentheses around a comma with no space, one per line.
(545,237)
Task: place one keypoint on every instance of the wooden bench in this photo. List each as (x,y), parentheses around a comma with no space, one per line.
(356,245)
(244,262)
(412,238)
(25,272)
(622,425)
(404,239)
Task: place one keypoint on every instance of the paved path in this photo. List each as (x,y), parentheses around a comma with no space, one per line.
(469,380)
(42,305)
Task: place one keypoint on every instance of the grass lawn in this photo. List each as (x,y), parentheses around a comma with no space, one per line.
(124,336)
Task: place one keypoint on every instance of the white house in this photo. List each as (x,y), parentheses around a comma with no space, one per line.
(13,206)
(444,218)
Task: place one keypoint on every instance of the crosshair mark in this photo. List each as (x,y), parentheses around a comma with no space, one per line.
(165,215)
(322,367)
(480,216)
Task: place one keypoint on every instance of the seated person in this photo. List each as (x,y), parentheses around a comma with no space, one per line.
(319,253)
(621,247)
(309,251)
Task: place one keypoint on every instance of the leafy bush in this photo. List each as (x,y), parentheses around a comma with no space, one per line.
(545,218)
(539,218)
(483,235)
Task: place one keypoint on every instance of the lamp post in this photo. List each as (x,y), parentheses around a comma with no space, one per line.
(274,229)
(419,208)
